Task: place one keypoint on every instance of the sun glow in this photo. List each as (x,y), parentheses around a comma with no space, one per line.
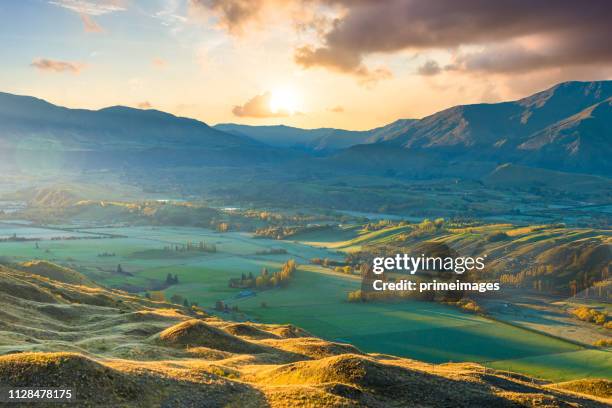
(284,100)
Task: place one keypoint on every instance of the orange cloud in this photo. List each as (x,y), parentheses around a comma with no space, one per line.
(90,24)
(88,8)
(49,65)
(569,35)
(258,107)
(345,62)
(159,63)
(347,32)
(145,105)
(235,16)
(91,7)
(337,109)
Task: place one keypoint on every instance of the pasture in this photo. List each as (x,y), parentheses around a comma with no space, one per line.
(314,300)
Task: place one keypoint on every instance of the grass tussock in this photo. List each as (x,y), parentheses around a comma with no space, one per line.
(596,387)
(194,333)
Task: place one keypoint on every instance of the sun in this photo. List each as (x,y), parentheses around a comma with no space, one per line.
(284,100)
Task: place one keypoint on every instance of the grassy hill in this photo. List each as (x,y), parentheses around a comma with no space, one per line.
(55,272)
(120,350)
(552,254)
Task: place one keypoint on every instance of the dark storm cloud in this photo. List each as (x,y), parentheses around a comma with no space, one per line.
(515,35)
(579,32)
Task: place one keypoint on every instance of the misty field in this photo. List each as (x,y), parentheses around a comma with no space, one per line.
(314,300)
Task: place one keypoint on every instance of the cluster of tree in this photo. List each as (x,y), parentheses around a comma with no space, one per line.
(156,295)
(223,227)
(159,296)
(348,269)
(192,247)
(283,232)
(276,232)
(424,228)
(605,343)
(359,295)
(588,314)
(15,238)
(122,271)
(221,306)
(180,300)
(105,254)
(272,251)
(531,277)
(74,238)
(542,277)
(382,224)
(469,305)
(266,279)
(172,280)
(326,262)
(367,294)
(293,218)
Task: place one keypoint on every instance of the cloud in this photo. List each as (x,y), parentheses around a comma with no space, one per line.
(145,105)
(309,57)
(336,109)
(495,37)
(159,63)
(88,8)
(232,15)
(429,68)
(90,24)
(258,107)
(515,57)
(563,34)
(578,34)
(49,65)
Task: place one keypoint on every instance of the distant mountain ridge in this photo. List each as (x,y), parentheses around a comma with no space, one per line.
(323,140)
(23,117)
(315,140)
(33,130)
(567,127)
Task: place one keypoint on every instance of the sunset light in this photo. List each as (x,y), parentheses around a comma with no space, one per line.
(291,203)
(284,99)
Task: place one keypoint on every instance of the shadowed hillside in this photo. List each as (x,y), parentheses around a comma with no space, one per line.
(121,350)
(565,127)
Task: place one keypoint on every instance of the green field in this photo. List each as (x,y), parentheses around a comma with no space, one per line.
(315,299)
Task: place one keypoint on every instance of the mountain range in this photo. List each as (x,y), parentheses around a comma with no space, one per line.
(566,128)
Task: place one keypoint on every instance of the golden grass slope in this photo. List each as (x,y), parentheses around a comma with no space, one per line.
(117,349)
(55,272)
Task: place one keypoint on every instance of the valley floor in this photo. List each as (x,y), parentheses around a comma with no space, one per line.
(315,299)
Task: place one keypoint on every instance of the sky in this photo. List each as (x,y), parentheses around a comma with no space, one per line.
(352,64)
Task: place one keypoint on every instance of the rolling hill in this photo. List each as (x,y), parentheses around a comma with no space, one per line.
(323,140)
(112,128)
(117,349)
(561,134)
(315,140)
(565,128)
(34,132)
